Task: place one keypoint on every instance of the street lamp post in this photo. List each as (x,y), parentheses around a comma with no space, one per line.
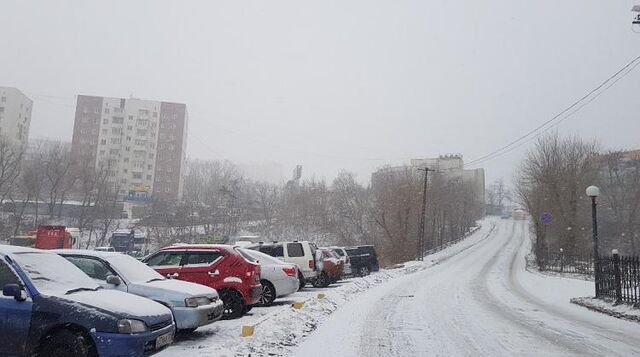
(594,192)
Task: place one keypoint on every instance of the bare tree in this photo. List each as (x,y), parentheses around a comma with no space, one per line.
(267,196)
(57,166)
(620,216)
(552,179)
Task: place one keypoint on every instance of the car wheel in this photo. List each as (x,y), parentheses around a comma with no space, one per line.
(301,280)
(268,293)
(233,304)
(67,343)
(364,271)
(321,281)
(247,308)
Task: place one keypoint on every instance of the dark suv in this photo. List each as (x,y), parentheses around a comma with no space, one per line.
(364,259)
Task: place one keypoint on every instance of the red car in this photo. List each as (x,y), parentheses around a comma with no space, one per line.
(234,275)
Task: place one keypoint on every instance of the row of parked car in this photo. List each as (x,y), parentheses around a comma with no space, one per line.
(85,303)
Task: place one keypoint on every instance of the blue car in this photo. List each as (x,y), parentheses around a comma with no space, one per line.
(49,307)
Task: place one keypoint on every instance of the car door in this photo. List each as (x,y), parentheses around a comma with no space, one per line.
(203,267)
(166,263)
(97,269)
(15,316)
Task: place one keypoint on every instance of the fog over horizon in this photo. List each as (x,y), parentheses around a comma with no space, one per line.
(334,85)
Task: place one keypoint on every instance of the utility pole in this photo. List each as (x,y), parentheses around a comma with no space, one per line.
(421,242)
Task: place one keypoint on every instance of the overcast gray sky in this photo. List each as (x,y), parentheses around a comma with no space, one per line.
(333,85)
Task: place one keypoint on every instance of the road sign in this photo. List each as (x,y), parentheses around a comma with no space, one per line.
(546,218)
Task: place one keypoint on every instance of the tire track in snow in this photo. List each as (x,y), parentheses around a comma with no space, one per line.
(558,313)
(536,331)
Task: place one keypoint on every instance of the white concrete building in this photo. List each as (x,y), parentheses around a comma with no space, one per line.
(141,144)
(15,116)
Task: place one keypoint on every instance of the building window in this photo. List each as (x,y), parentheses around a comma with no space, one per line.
(116,140)
(118,120)
(151,156)
(148,177)
(4,99)
(106,110)
(141,132)
(105,121)
(116,131)
(149,167)
(137,175)
(130,117)
(103,142)
(114,152)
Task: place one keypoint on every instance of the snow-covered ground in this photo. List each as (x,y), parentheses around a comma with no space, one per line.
(280,328)
(480,302)
(472,299)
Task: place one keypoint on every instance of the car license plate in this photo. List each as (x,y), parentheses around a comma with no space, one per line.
(164,340)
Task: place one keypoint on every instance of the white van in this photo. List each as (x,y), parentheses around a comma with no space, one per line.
(301,253)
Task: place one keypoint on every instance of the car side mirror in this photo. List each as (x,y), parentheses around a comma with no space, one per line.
(15,291)
(114,280)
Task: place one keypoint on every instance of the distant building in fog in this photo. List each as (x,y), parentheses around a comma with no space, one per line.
(15,116)
(451,166)
(142,144)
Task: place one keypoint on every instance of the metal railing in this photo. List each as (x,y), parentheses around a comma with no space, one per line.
(619,278)
(562,262)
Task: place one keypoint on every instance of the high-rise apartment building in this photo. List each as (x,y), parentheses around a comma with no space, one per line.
(140,143)
(15,116)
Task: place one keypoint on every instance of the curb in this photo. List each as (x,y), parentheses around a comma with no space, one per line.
(585,302)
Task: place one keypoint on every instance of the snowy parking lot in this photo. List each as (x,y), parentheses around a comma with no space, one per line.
(473,298)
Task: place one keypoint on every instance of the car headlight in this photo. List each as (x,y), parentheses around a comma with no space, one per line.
(197,301)
(131,326)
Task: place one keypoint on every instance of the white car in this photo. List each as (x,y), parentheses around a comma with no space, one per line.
(300,253)
(277,277)
(192,305)
(342,255)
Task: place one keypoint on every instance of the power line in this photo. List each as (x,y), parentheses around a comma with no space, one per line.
(550,123)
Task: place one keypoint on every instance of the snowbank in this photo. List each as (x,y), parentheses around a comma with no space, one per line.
(608,307)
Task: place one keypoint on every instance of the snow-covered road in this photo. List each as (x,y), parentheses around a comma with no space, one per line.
(481,301)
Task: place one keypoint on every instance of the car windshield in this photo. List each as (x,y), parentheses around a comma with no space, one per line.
(52,274)
(132,269)
(261,257)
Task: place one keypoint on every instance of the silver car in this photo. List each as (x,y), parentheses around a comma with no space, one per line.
(193,305)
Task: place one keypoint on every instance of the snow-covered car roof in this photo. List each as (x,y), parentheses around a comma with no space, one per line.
(11,249)
(91,253)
